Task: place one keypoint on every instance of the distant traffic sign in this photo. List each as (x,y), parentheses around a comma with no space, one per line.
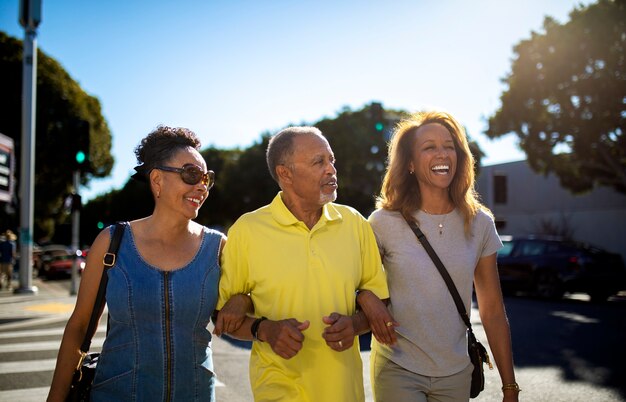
(7,168)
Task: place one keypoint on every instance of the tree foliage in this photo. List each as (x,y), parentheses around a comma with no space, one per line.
(566,98)
(361,153)
(61,102)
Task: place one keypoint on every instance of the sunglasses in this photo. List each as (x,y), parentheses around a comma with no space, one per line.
(192,174)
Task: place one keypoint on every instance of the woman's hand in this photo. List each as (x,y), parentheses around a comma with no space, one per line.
(233,314)
(380,320)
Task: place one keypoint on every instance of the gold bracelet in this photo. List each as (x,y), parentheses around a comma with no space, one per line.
(512,386)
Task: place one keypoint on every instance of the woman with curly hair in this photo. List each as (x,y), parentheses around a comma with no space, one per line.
(162,287)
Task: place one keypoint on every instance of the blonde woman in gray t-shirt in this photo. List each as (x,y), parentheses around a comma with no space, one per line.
(430,180)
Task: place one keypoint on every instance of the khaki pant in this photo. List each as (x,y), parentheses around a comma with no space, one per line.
(393,383)
(6,274)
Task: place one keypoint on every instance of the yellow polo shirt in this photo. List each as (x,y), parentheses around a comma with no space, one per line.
(293,272)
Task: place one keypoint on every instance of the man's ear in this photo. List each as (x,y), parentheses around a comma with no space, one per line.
(284,173)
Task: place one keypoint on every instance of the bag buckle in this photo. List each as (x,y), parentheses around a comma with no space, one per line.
(488,360)
(108,259)
(79,366)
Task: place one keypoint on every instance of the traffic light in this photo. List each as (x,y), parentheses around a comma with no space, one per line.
(80,145)
(77,202)
(30,13)
(378,120)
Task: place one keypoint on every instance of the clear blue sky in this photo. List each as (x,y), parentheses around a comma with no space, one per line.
(231,70)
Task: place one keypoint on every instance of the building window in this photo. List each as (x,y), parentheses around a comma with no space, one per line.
(500,224)
(500,188)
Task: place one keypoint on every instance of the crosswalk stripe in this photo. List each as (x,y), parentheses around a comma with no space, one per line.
(17,332)
(40,332)
(43,365)
(27,366)
(25,394)
(41,346)
(34,321)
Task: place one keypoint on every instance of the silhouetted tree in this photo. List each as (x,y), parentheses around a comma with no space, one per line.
(61,102)
(566,95)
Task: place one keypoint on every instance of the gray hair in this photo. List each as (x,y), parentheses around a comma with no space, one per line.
(280,147)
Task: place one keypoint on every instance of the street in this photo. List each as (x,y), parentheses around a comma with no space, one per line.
(570,350)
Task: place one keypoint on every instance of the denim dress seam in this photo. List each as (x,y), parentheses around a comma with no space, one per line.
(131,312)
(206,248)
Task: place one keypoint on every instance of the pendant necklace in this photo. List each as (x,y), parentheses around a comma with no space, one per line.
(440,225)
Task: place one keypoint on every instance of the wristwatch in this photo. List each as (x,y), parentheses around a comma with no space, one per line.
(254,329)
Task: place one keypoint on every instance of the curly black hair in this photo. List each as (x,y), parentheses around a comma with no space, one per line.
(160,146)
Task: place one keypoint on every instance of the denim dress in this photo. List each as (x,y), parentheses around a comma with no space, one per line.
(158,346)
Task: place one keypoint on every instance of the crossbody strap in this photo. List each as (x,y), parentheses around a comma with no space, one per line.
(443,271)
(109,261)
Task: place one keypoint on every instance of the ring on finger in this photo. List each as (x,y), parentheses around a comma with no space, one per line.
(389,323)
(340,344)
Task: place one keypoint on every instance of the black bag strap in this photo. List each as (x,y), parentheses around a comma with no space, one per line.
(444,273)
(109,261)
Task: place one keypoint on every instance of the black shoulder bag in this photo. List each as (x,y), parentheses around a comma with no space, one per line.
(86,368)
(477,352)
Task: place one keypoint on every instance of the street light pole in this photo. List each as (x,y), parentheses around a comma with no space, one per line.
(30,17)
(75,233)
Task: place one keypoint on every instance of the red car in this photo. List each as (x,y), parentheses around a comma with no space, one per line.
(61,265)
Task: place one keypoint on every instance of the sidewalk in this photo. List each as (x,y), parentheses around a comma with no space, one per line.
(52,302)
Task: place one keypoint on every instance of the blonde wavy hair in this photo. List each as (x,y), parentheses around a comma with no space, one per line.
(400,190)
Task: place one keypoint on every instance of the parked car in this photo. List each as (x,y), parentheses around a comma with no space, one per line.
(60,264)
(550,267)
(42,255)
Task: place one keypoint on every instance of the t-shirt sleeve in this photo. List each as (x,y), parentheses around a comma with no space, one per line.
(375,222)
(234,262)
(491,239)
(373,277)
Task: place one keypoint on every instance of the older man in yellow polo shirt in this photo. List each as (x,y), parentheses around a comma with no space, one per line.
(301,259)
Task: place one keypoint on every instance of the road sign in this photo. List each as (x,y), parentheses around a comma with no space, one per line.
(7,168)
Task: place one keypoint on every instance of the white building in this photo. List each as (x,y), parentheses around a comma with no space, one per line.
(525,202)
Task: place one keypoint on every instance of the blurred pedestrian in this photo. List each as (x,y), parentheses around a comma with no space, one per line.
(7,258)
(430,181)
(301,259)
(161,291)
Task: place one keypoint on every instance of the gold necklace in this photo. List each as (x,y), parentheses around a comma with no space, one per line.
(441,223)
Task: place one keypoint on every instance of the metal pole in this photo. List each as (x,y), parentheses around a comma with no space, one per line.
(75,235)
(29,97)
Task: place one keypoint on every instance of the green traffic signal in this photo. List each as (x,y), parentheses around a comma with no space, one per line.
(80,157)
(379,126)
(100,225)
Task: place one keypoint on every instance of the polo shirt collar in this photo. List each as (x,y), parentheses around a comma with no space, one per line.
(283,215)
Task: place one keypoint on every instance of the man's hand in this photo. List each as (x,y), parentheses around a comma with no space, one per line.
(285,336)
(380,320)
(340,333)
(233,314)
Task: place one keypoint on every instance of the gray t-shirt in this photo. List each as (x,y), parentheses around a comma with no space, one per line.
(431,336)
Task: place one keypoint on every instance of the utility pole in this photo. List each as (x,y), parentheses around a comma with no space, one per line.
(30,17)
(76,207)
